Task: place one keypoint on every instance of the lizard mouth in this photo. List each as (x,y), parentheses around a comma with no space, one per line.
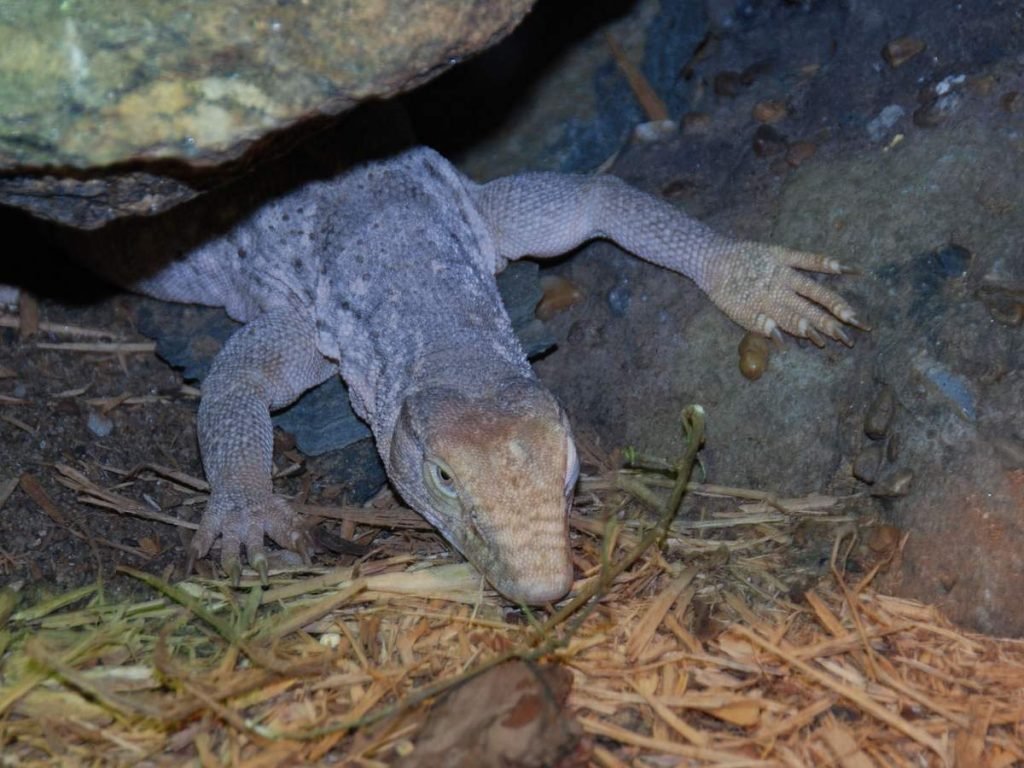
(527,563)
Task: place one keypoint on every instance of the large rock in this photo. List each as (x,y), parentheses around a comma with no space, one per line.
(112,109)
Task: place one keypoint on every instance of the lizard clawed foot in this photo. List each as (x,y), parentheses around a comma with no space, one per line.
(762,288)
(242,519)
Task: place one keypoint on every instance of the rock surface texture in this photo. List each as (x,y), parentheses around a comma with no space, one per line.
(114,109)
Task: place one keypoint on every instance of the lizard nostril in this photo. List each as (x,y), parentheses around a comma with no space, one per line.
(473,522)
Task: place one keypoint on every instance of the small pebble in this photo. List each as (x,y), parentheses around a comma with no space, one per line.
(728,83)
(879,414)
(879,127)
(1006,311)
(769,111)
(559,295)
(865,466)
(982,85)
(901,50)
(938,111)
(755,352)
(894,486)
(884,538)
(768,141)
(654,131)
(948,84)
(1012,102)
(1004,301)
(99,424)
(800,152)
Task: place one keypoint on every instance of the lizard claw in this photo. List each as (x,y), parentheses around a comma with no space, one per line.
(816,338)
(258,560)
(242,518)
(764,288)
(232,567)
(301,546)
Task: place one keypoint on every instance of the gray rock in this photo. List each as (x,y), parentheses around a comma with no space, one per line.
(166,90)
(99,424)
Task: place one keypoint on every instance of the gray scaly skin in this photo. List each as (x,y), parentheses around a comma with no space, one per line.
(386,276)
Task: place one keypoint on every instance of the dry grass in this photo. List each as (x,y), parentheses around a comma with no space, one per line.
(694,655)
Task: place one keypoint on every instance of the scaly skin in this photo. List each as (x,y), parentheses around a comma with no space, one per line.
(386,276)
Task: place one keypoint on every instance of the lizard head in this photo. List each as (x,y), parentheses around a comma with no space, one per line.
(495,474)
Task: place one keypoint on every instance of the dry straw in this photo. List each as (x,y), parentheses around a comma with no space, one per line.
(688,644)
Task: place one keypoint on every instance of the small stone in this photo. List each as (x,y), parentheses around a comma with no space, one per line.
(937,112)
(1003,300)
(768,141)
(1006,312)
(884,538)
(949,83)
(696,123)
(901,50)
(654,131)
(728,83)
(800,152)
(99,424)
(982,85)
(879,414)
(894,486)
(865,466)
(769,111)
(755,351)
(1012,102)
(886,119)
(559,295)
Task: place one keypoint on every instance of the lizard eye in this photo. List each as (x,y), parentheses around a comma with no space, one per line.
(441,478)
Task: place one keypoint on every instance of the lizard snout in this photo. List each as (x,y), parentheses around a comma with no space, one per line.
(496,476)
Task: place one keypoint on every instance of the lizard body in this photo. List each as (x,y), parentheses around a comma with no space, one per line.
(385,275)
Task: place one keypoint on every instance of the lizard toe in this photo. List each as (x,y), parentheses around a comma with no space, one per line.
(241,519)
(258,560)
(232,566)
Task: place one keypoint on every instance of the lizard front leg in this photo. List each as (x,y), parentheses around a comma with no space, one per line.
(265,365)
(759,286)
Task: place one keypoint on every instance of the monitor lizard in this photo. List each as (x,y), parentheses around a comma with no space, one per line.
(386,275)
